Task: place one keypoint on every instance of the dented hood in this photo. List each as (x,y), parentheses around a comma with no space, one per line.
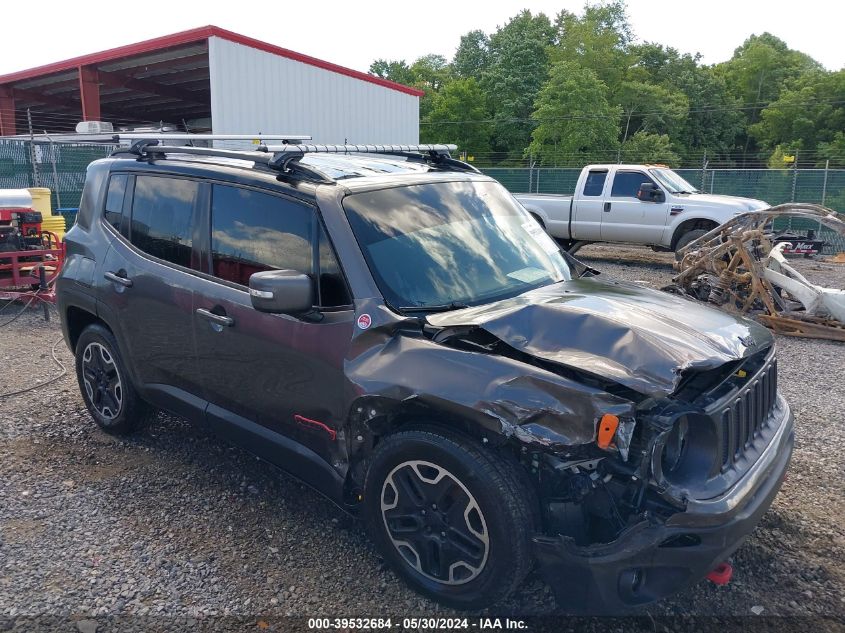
(638,337)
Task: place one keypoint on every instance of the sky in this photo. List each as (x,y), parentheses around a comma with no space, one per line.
(355,33)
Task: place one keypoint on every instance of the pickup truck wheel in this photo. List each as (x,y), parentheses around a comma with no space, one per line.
(686,238)
(452,519)
(104,382)
(576,246)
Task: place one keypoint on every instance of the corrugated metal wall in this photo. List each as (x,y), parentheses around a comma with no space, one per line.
(256,91)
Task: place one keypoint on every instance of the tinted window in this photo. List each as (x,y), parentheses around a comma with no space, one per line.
(626,184)
(595,183)
(253,231)
(114,199)
(161,217)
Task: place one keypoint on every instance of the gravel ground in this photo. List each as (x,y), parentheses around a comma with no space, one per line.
(177,529)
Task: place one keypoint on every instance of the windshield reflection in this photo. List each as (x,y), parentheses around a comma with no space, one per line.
(451,243)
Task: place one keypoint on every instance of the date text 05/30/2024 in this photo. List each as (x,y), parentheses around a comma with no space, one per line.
(416,624)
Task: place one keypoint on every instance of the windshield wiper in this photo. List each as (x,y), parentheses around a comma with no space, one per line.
(446,307)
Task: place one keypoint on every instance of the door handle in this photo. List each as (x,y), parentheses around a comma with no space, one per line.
(607,207)
(219,319)
(118,279)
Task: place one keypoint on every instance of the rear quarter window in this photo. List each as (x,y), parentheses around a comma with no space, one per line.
(115,193)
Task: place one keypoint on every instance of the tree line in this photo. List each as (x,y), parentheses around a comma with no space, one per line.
(581,88)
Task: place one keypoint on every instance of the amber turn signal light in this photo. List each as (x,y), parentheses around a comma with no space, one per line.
(607,429)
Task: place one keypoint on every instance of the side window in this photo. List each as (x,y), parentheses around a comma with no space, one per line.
(595,183)
(626,184)
(253,231)
(333,289)
(114,199)
(162,210)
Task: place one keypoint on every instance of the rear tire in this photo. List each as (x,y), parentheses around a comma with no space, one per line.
(106,389)
(686,238)
(453,519)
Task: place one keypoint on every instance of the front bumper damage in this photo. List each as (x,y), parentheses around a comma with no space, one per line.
(651,559)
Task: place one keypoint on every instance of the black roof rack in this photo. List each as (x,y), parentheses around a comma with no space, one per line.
(285,158)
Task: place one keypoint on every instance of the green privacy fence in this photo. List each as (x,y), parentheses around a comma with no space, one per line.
(61,167)
(775,186)
(58,166)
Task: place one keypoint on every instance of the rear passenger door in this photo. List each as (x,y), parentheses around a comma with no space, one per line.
(271,372)
(629,219)
(587,219)
(146,291)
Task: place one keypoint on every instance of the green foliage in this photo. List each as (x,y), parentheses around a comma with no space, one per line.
(460,100)
(644,147)
(518,69)
(397,71)
(833,150)
(809,116)
(519,91)
(649,107)
(762,67)
(574,118)
(599,39)
(472,59)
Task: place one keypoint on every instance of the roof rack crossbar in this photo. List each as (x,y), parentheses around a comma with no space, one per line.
(152,147)
(440,160)
(284,138)
(439,154)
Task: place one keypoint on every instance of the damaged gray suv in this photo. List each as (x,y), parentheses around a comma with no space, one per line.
(398,332)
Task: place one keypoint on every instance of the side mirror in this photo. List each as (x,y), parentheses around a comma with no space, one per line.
(281,292)
(649,192)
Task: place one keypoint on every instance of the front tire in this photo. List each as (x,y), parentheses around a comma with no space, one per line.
(104,382)
(453,519)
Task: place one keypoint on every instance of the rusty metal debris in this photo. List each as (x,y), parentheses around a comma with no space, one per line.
(740,268)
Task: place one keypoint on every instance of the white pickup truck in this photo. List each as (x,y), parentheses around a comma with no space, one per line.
(634,204)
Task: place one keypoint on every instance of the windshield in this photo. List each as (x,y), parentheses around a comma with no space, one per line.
(672,181)
(450,244)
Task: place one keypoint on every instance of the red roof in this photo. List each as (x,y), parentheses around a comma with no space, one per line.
(195,35)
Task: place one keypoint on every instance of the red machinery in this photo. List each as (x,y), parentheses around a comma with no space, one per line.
(30,257)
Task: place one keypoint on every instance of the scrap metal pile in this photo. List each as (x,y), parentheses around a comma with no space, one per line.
(740,267)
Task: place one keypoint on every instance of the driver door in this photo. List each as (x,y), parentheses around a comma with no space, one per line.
(626,218)
(268,375)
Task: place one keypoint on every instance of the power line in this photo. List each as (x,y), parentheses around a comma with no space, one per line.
(577,117)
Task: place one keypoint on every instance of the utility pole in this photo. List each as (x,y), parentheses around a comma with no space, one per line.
(704,170)
(794,175)
(36,178)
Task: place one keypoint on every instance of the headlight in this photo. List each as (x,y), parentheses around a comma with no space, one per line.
(689,451)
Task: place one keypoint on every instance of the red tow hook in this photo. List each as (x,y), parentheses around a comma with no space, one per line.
(721,574)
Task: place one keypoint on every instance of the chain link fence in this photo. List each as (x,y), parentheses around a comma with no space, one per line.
(61,167)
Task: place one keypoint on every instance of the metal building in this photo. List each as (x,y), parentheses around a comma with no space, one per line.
(211,79)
